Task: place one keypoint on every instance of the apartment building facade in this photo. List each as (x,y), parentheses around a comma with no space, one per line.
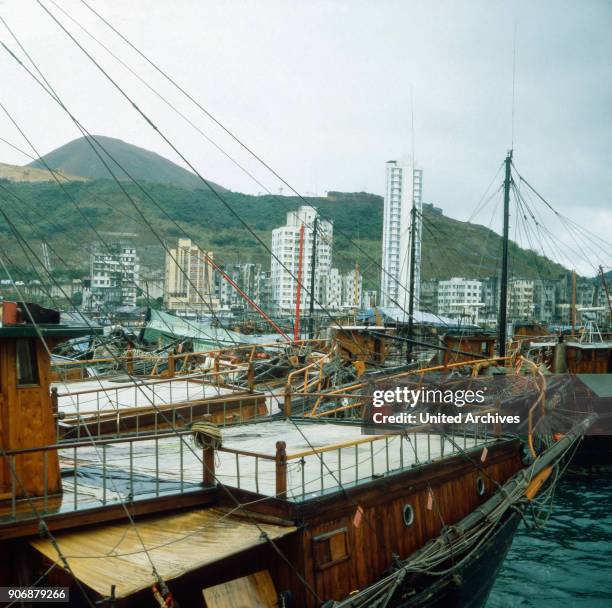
(114,269)
(285,263)
(404,186)
(189,279)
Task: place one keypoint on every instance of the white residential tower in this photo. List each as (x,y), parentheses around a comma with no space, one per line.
(285,260)
(404,185)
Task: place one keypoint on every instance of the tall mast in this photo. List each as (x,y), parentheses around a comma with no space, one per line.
(503,296)
(298,288)
(573,310)
(412,269)
(313,265)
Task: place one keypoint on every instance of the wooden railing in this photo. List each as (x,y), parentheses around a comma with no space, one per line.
(169,467)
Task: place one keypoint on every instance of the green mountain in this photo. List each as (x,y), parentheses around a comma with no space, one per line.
(78,158)
(42,210)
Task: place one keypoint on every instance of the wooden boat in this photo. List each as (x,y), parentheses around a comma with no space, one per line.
(588,362)
(277,513)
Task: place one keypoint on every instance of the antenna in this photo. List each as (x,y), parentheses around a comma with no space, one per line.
(412,121)
(513,82)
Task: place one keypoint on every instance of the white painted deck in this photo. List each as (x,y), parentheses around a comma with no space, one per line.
(178,463)
(96,395)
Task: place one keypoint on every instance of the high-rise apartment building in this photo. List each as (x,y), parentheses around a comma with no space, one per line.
(520,299)
(460,298)
(404,186)
(189,279)
(113,268)
(285,265)
(352,289)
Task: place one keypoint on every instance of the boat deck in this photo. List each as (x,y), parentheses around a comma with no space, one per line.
(318,458)
(102,395)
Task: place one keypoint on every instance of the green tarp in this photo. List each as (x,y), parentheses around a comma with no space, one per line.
(166,328)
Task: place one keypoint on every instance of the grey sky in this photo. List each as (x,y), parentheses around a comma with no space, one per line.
(321,90)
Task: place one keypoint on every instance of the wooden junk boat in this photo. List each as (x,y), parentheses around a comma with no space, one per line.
(309,512)
(586,359)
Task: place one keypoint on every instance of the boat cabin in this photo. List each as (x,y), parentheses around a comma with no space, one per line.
(27,416)
(589,357)
(468,347)
(361,343)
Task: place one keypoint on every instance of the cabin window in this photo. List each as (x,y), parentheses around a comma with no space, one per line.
(408,515)
(480,486)
(27,366)
(330,548)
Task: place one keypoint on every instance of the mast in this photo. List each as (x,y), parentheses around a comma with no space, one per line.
(605,287)
(313,265)
(573,311)
(412,269)
(503,296)
(298,289)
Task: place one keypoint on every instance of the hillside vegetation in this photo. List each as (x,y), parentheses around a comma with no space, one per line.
(450,247)
(15,173)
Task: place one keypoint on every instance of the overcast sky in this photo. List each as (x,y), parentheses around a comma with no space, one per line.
(322,91)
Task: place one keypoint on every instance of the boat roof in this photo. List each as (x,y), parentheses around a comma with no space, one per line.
(204,335)
(600,384)
(113,554)
(26,330)
(342,452)
(104,395)
(590,345)
(395,314)
(360,327)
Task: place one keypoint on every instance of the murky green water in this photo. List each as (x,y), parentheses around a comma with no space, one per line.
(569,562)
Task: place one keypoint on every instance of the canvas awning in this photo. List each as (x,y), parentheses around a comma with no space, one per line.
(112,554)
(600,384)
(398,316)
(204,336)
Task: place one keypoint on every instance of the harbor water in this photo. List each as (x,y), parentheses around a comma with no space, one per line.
(569,561)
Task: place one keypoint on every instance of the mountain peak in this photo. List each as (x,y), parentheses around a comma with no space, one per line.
(78,157)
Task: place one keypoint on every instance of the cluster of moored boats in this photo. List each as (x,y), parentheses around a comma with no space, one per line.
(158,474)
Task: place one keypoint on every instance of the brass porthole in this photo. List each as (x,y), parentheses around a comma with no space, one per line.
(480,486)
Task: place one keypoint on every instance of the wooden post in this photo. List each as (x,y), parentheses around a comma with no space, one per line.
(171,365)
(130,361)
(54,400)
(287,405)
(281,469)
(208,462)
(497,427)
(218,378)
(251,377)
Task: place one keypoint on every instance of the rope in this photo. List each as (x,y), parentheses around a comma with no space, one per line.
(207,435)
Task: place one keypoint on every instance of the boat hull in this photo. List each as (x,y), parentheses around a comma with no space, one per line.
(469,585)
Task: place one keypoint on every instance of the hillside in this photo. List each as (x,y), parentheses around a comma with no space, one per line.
(450,247)
(78,158)
(15,173)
